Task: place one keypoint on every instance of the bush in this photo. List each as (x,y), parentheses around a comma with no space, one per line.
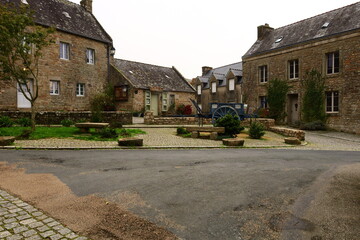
(180,109)
(24,122)
(187,110)
(230,123)
(67,122)
(181,131)
(6,122)
(108,133)
(257,130)
(115,124)
(124,133)
(315,125)
(276,98)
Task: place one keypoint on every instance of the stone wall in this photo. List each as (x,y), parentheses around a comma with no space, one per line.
(312,55)
(68,73)
(151,120)
(267,122)
(45,118)
(299,134)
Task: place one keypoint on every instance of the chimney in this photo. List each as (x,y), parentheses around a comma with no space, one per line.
(205,70)
(264,30)
(87,4)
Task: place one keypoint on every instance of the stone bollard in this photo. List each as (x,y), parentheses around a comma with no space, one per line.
(292,141)
(195,134)
(6,141)
(130,142)
(213,135)
(233,142)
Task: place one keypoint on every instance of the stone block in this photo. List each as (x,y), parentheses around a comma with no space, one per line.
(233,142)
(130,142)
(213,135)
(292,141)
(195,134)
(6,141)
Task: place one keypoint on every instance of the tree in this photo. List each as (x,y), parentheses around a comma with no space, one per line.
(21,45)
(276,97)
(313,105)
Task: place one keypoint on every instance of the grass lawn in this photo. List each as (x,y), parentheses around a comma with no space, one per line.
(67,132)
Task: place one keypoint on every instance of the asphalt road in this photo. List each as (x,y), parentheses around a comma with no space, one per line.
(196,194)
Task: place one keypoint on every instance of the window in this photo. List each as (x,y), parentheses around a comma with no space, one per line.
(90,56)
(332,102)
(164,102)
(231,84)
(64,50)
(121,93)
(54,87)
(263,102)
(147,100)
(333,63)
(293,69)
(80,89)
(199,89)
(263,74)
(213,87)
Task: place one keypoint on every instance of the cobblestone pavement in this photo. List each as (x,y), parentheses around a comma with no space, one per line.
(19,220)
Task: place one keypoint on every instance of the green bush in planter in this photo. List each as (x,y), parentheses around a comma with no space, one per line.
(257,130)
(181,131)
(6,121)
(24,122)
(108,133)
(67,122)
(230,123)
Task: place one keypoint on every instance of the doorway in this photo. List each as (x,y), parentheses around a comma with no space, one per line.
(293,108)
(22,102)
(154,106)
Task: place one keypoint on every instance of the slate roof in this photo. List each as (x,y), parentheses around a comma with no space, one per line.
(339,21)
(52,13)
(221,72)
(146,76)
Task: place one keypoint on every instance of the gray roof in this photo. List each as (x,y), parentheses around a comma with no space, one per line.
(339,21)
(146,76)
(53,13)
(221,72)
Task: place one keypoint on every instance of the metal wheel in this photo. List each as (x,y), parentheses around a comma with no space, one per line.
(222,111)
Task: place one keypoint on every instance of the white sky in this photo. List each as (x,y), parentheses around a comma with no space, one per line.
(189,34)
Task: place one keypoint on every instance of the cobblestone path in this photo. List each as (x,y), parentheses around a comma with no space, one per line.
(19,220)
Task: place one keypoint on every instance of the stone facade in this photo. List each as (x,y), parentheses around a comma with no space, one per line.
(214,86)
(310,54)
(46,118)
(150,119)
(68,73)
(313,56)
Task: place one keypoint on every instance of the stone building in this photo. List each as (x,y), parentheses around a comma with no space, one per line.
(74,67)
(219,85)
(141,87)
(328,43)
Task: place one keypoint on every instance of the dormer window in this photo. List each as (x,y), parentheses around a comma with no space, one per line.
(231,84)
(199,89)
(213,87)
(279,39)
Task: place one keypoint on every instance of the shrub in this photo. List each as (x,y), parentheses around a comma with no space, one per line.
(67,122)
(115,124)
(24,122)
(180,109)
(276,97)
(230,123)
(108,133)
(257,130)
(124,133)
(187,110)
(181,131)
(315,125)
(6,121)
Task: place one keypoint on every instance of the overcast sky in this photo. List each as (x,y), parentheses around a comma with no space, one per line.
(189,34)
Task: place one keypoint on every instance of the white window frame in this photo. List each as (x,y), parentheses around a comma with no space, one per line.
(231,84)
(54,87)
(147,100)
(164,102)
(90,56)
(199,89)
(213,87)
(332,63)
(80,89)
(64,51)
(263,74)
(293,66)
(331,104)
